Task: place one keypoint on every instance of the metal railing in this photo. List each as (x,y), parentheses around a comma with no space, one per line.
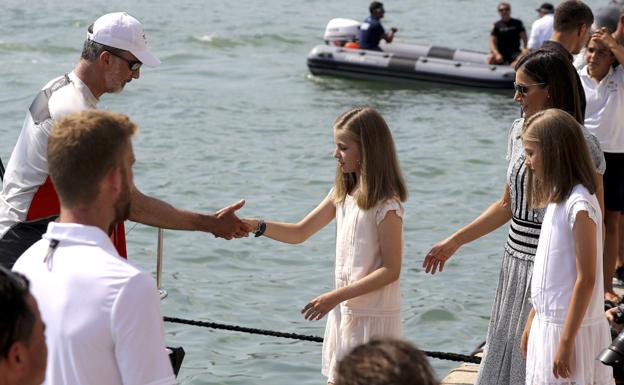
(159,264)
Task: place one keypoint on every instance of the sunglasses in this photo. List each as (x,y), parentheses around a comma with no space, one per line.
(523,88)
(133,65)
(504,9)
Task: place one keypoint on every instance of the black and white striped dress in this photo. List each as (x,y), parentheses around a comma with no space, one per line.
(503,362)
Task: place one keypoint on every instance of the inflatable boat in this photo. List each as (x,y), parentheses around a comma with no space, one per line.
(404,63)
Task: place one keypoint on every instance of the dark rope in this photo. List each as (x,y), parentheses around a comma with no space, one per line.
(213,325)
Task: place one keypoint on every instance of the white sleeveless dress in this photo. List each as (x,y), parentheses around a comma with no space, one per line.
(554,277)
(358,253)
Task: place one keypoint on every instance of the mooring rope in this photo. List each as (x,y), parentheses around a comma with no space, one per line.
(213,325)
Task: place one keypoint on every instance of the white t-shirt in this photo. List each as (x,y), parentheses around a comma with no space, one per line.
(604,115)
(541,30)
(27,169)
(102,315)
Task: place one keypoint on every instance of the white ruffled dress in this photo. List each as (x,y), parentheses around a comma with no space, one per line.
(554,277)
(358,253)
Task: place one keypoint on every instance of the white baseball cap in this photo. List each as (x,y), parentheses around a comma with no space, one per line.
(122,31)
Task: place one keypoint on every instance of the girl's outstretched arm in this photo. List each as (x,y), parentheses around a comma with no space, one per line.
(491,219)
(304,229)
(584,232)
(391,243)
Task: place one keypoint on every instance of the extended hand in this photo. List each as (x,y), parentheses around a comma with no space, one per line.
(439,253)
(229,225)
(319,306)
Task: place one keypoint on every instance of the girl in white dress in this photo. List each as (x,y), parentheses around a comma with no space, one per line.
(566,328)
(366,202)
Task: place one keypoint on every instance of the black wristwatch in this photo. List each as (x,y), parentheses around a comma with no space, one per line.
(260,228)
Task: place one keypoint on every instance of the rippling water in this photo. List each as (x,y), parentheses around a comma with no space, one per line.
(234,113)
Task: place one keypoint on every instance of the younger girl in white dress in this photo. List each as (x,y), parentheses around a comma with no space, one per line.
(566,328)
(366,202)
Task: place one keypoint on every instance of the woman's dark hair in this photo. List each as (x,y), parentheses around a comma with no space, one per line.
(16,317)
(558,75)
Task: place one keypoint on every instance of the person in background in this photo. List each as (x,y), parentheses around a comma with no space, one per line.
(371,30)
(385,362)
(544,79)
(366,201)
(23,351)
(571,28)
(566,328)
(102,314)
(571,32)
(505,37)
(113,54)
(542,28)
(605,17)
(603,82)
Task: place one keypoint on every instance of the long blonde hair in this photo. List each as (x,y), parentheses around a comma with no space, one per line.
(380,175)
(565,157)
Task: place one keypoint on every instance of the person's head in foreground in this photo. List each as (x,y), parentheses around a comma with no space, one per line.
(385,362)
(23,351)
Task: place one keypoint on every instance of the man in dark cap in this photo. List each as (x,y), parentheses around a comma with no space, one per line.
(371,30)
(542,28)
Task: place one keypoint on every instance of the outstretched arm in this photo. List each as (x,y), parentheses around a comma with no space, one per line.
(302,230)
(491,219)
(391,243)
(584,232)
(155,212)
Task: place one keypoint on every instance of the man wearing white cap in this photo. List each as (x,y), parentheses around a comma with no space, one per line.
(113,53)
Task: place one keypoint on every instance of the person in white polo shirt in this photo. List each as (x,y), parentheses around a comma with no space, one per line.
(103,319)
(542,28)
(603,82)
(112,56)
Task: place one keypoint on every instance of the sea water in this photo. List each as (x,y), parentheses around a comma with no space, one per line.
(234,113)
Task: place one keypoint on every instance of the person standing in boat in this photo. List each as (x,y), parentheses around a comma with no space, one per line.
(544,79)
(566,328)
(371,30)
(102,314)
(542,28)
(113,54)
(366,201)
(505,37)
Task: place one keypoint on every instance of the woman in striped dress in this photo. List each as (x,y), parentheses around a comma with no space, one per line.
(544,79)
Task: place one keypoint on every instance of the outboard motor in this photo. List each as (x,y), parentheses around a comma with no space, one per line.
(341,31)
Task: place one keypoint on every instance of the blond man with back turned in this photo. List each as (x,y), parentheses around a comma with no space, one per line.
(102,314)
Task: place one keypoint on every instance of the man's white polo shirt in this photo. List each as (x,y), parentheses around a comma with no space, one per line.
(102,315)
(604,115)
